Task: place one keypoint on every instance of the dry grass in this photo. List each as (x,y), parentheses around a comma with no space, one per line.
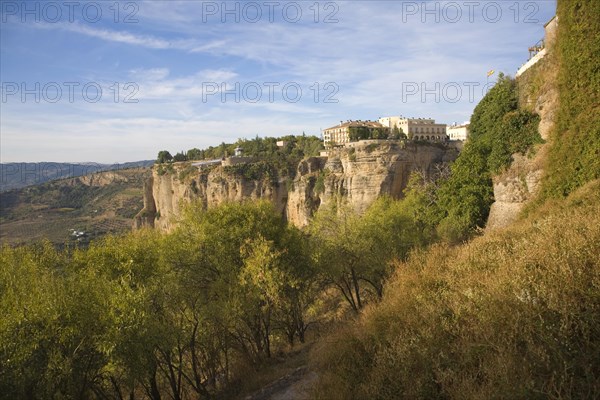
(514,314)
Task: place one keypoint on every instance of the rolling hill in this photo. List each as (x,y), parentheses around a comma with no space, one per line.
(74,209)
(21,174)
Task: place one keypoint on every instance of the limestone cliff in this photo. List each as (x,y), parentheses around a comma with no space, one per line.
(538,92)
(359,174)
(145,218)
(211,186)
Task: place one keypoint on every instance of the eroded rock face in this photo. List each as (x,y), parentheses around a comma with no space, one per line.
(366,172)
(360,175)
(171,194)
(520,183)
(145,218)
(513,190)
(103,178)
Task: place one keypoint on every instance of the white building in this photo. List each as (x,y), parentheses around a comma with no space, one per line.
(458,132)
(417,128)
(540,49)
(340,134)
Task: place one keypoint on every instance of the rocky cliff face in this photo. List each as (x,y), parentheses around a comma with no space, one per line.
(170,192)
(512,191)
(105,178)
(538,92)
(359,175)
(146,217)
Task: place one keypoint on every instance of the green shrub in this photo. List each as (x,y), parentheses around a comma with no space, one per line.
(187,171)
(498,129)
(371,147)
(320,181)
(254,171)
(352,154)
(164,169)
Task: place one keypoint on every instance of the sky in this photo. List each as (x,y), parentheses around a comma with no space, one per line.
(117,81)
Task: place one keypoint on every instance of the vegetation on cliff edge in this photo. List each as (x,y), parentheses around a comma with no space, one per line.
(574,157)
(498,129)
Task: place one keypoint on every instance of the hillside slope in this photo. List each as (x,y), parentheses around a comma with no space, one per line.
(95,204)
(514,313)
(18,175)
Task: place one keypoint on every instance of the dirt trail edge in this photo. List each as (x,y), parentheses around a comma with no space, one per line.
(295,386)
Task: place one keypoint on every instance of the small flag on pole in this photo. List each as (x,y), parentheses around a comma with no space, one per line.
(490,73)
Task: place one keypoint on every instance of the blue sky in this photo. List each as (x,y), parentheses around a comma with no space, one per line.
(161,66)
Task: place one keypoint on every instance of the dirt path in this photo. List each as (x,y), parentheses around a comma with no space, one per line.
(295,386)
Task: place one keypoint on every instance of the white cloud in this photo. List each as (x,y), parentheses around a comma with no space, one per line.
(127,139)
(371,53)
(147,41)
(119,36)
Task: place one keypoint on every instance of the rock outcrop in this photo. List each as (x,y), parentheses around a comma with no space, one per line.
(358,174)
(145,218)
(361,174)
(515,187)
(512,190)
(170,192)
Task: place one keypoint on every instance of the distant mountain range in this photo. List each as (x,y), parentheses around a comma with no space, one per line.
(19,175)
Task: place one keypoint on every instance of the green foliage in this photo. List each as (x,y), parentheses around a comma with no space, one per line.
(352,154)
(320,181)
(221,249)
(371,147)
(357,133)
(510,315)
(61,333)
(380,133)
(194,154)
(420,202)
(187,171)
(179,157)
(517,133)
(353,253)
(164,169)
(574,156)
(253,171)
(467,195)
(397,133)
(498,129)
(284,159)
(163,157)
(132,313)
